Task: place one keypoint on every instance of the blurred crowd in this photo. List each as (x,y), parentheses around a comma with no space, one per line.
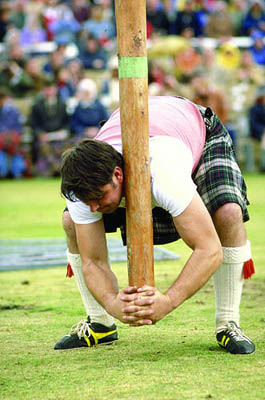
(59,72)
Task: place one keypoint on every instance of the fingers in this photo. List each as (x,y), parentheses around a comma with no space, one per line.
(137,311)
(130,289)
(142,322)
(131,293)
(147,290)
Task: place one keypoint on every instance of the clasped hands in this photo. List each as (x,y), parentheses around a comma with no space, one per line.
(143,306)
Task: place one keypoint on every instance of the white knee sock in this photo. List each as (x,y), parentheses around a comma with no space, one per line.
(228,284)
(96,312)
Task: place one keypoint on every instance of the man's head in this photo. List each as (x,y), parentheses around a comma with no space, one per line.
(92,172)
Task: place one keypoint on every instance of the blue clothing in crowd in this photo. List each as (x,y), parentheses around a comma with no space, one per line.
(257,121)
(87,115)
(10,119)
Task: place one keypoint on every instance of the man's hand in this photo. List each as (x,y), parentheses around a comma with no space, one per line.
(145,304)
(129,297)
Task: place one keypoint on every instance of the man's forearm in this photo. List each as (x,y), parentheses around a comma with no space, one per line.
(196,272)
(101,282)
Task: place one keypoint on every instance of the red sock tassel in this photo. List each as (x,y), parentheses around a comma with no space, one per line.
(248,269)
(69,271)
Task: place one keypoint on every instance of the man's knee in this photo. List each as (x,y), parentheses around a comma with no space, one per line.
(229,213)
(228,221)
(68,225)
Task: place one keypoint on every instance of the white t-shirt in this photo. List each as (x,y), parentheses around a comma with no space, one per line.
(171,164)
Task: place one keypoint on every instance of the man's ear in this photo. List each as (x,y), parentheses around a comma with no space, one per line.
(118,173)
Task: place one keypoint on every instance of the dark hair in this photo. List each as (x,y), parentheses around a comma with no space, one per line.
(86,168)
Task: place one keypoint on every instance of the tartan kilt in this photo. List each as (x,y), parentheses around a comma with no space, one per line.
(218,179)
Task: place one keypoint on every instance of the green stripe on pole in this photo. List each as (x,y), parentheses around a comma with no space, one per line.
(133,67)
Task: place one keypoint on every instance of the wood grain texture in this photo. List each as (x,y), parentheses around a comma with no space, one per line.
(131,35)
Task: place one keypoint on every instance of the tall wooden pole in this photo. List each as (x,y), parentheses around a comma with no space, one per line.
(133,84)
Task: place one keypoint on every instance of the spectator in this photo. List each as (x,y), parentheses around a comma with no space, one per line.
(187,22)
(160,82)
(50,129)
(237,11)
(81,10)
(226,63)
(98,26)
(76,70)
(206,94)
(27,81)
(12,66)
(92,55)
(88,112)
(12,160)
(187,62)
(32,32)
(55,12)
(249,71)
(246,79)
(257,125)
(65,29)
(17,54)
(220,23)
(254,19)
(18,15)
(258,47)
(4,20)
(55,61)
(66,87)
(157,17)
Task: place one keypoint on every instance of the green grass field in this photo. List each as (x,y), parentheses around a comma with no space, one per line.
(178,358)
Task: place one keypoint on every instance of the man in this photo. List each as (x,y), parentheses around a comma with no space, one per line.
(198,194)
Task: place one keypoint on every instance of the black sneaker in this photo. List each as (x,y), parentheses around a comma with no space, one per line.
(87,334)
(233,340)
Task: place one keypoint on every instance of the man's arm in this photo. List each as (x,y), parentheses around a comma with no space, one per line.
(196,228)
(99,278)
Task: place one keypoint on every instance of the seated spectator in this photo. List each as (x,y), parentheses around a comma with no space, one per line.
(160,81)
(66,87)
(92,55)
(258,47)
(5,22)
(98,26)
(50,129)
(12,159)
(207,95)
(81,10)
(65,29)
(257,125)
(56,60)
(53,12)
(254,19)
(249,71)
(76,70)
(219,22)
(19,14)
(226,63)
(32,32)
(17,54)
(237,11)
(157,17)
(187,22)
(88,112)
(187,62)
(29,80)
